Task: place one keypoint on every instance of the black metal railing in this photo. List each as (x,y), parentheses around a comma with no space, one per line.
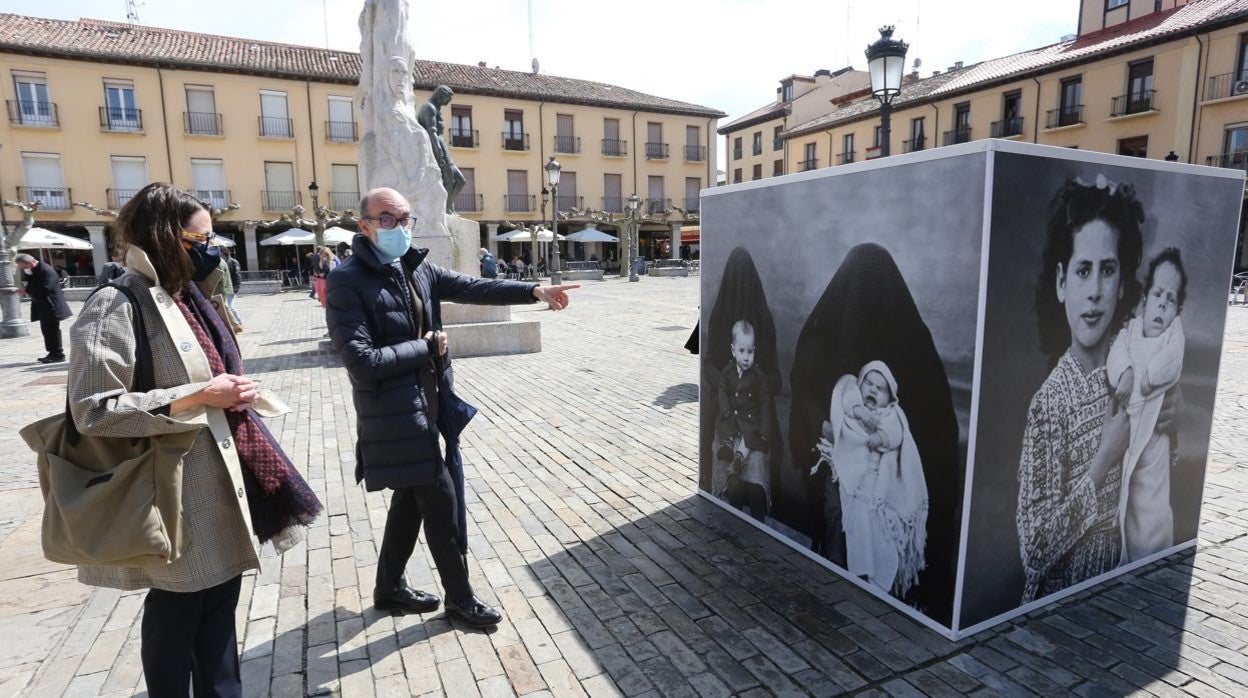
(693,205)
(656,151)
(841,159)
(341,131)
(914,144)
(465,138)
(518,203)
(118,197)
(1064,116)
(813,163)
(28,113)
(658,205)
(280,200)
(961,134)
(121,119)
(777,144)
(565,202)
(259,276)
(1237,160)
(1006,128)
(736,153)
(515,141)
(1133,103)
(469,201)
(51,198)
(757,148)
(873,152)
(567,144)
(344,200)
(614,147)
(613,204)
(695,153)
(216,198)
(1227,85)
(276,127)
(199,123)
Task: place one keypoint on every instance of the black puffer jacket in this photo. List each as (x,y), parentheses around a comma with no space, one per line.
(392,368)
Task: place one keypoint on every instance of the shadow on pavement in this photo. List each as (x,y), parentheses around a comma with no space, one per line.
(674,395)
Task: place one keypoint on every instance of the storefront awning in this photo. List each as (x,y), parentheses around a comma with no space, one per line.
(690,234)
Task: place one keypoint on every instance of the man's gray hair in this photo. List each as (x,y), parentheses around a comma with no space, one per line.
(364,205)
(24,258)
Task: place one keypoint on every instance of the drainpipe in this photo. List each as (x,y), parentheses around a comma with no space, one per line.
(709,175)
(830,153)
(1191,137)
(935,126)
(164,123)
(1035,123)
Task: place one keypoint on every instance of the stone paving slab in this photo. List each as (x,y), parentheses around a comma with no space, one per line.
(614,577)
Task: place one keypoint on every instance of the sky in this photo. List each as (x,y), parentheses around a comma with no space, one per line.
(726,54)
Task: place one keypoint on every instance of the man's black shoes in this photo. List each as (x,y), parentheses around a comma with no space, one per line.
(52,359)
(405,599)
(474,612)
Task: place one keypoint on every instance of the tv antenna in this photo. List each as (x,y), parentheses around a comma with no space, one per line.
(532,52)
(132,11)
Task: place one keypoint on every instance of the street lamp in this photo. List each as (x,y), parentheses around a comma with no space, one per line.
(552,178)
(633,205)
(886,59)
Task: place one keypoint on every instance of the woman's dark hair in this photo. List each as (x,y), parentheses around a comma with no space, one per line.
(1171,255)
(152,220)
(1075,205)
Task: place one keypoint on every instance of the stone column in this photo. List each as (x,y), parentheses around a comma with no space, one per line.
(253,250)
(675,241)
(492,237)
(99,247)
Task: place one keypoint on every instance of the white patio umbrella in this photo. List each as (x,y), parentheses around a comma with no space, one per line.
(337,235)
(294,236)
(222,241)
(543,235)
(590,234)
(44,239)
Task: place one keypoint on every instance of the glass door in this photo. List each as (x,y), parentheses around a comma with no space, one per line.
(122,112)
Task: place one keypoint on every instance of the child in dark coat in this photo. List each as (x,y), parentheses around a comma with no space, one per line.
(742,450)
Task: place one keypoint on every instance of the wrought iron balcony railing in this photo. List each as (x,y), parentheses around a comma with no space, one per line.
(118,197)
(614,147)
(465,138)
(341,131)
(914,144)
(344,200)
(1133,103)
(1237,160)
(515,141)
(121,119)
(30,113)
(280,200)
(276,127)
(1065,116)
(51,198)
(568,144)
(695,153)
(216,198)
(656,151)
(1226,85)
(841,159)
(519,203)
(202,123)
(1006,128)
(961,134)
(658,206)
(469,202)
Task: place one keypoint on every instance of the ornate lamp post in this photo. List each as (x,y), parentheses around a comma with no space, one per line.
(886,60)
(634,205)
(552,178)
(318,228)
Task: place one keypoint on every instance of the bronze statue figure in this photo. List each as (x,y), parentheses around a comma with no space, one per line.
(430,117)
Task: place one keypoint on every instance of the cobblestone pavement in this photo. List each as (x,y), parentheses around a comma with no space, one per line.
(615,579)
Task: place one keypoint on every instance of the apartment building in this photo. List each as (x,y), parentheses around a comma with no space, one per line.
(95,110)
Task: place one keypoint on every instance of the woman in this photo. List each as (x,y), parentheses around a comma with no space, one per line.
(325,262)
(235,480)
(1070,466)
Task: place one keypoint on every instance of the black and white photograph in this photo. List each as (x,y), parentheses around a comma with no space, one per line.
(1105,309)
(838,333)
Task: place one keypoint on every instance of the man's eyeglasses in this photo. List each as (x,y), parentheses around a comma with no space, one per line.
(388,221)
(198,237)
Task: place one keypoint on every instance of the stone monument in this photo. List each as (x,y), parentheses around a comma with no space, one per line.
(430,117)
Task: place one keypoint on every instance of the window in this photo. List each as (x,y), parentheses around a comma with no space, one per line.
(656,149)
(208,181)
(736,148)
(32,107)
(1070,109)
(202,118)
(565,138)
(694,152)
(517,198)
(962,116)
(918,135)
(1236,140)
(120,112)
(1139,97)
(462,135)
(567,192)
(1241,58)
(655,190)
(129,176)
(45,181)
(877,136)
(1011,123)
(611,143)
(341,125)
(777,168)
(279,187)
(847,148)
(514,137)
(809,159)
(1115,4)
(467,199)
(736,175)
(274,118)
(1134,147)
(344,187)
(612,193)
(758,143)
(693,190)
(776,141)
(758,172)
(786,92)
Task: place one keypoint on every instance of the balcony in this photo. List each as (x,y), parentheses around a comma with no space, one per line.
(568,144)
(567,202)
(614,147)
(1007,128)
(276,127)
(693,205)
(657,206)
(757,148)
(469,202)
(39,114)
(121,120)
(515,140)
(465,138)
(841,159)
(813,163)
(1134,103)
(914,145)
(736,153)
(613,204)
(341,131)
(695,153)
(1065,116)
(873,152)
(344,200)
(962,134)
(51,198)
(518,203)
(118,197)
(656,151)
(280,200)
(1226,85)
(216,198)
(1237,160)
(777,144)
(202,123)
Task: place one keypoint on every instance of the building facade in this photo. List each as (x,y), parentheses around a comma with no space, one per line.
(1147,78)
(96,110)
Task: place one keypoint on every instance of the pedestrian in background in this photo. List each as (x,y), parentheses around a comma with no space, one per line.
(47,304)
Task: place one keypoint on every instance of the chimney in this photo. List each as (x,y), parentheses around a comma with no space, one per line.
(935,73)
(480,64)
(823,76)
(958,65)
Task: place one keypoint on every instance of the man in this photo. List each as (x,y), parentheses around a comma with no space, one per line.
(489,266)
(385,321)
(309,268)
(113,268)
(47,304)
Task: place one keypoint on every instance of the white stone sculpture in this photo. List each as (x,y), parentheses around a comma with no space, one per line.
(395,150)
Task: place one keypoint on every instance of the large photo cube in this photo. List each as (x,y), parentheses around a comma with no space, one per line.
(970,379)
